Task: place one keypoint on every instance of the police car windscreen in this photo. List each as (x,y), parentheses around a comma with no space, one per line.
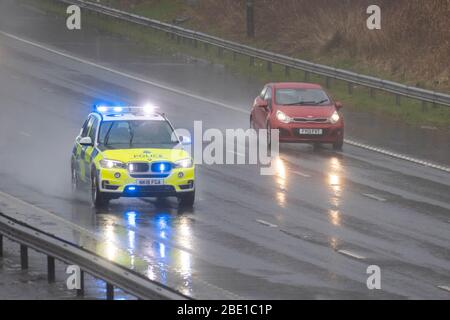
(135,134)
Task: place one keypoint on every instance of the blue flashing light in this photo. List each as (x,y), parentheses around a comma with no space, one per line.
(131,189)
(118,109)
(161,167)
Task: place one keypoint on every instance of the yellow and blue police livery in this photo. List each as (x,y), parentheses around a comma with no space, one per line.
(132,152)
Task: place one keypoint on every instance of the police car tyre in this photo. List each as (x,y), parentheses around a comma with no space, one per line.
(187,199)
(99,199)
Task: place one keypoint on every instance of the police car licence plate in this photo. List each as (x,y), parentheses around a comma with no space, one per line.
(311,131)
(150,182)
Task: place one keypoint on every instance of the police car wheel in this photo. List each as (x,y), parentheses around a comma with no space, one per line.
(75,181)
(99,199)
(187,199)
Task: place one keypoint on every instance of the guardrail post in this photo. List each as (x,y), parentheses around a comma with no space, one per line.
(234,55)
(195,43)
(397,99)
(220,52)
(172,36)
(23,257)
(178,39)
(287,71)
(50,269)
(306,76)
(206,46)
(80,292)
(424,106)
(350,87)
(1,245)
(109,291)
(252,61)
(269,66)
(372,93)
(328,82)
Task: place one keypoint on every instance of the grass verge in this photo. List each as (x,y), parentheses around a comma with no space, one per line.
(410,111)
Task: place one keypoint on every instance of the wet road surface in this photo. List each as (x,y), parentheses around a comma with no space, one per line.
(309,232)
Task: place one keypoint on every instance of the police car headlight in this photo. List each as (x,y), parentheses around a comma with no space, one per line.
(112,164)
(183,163)
(283,117)
(334,118)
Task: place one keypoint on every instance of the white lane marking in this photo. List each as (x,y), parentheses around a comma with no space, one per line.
(373,196)
(197,97)
(25,134)
(351,254)
(123,74)
(301,174)
(445,288)
(267,224)
(398,156)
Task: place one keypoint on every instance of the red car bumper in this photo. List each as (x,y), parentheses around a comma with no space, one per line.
(331,133)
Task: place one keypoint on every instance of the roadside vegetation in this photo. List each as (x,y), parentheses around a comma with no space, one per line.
(332,33)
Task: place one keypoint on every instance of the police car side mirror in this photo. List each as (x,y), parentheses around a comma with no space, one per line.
(185,140)
(86,141)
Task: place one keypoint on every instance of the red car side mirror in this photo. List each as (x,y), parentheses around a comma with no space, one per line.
(338,105)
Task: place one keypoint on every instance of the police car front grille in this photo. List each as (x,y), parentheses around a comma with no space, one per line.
(138,167)
(149,175)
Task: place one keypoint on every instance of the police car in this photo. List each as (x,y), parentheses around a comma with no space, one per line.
(132,152)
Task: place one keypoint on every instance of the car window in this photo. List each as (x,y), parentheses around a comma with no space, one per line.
(93,129)
(263,92)
(136,134)
(87,125)
(268,97)
(298,96)
(268,94)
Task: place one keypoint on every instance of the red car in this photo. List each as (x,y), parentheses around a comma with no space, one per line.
(303,112)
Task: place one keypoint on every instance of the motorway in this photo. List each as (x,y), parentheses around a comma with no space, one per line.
(309,232)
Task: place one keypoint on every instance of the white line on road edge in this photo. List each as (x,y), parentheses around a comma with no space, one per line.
(445,288)
(123,74)
(375,197)
(351,254)
(398,155)
(221,104)
(267,224)
(48,213)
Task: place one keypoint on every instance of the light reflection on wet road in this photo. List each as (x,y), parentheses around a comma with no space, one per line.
(218,249)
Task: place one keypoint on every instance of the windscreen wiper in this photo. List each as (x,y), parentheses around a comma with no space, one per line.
(301,103)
